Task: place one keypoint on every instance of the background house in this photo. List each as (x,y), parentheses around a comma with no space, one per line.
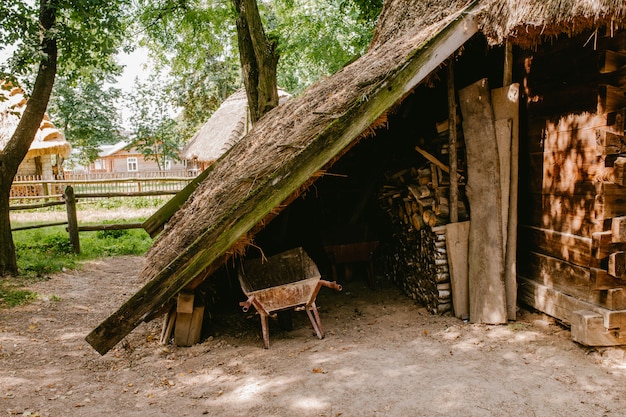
(123,158)
(227,126)
(49,147)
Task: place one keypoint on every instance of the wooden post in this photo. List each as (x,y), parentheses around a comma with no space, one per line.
(454,183)
(72,221)
(507,78)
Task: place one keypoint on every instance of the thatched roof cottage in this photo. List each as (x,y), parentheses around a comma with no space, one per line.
(49,146)
(543,75)
(225,127)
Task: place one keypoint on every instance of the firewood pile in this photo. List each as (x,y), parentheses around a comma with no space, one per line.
(417,206)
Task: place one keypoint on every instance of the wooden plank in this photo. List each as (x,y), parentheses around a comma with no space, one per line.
(611,98)
(185,303)
(601,280)
(209,250)
(588,329)
(506,107)
(556,273)
(617,264)
(457,240)
(611,61)
(486,251)
(618,229)
(618,171)
(566,246)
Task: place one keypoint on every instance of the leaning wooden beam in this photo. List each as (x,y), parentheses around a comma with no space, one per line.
(216,240)
(155,223)
(433,159)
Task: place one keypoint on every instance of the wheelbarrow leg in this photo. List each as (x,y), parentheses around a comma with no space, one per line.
(265,331)
(314,316)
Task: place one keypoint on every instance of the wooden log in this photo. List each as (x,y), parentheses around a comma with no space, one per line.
(72,220)
(37,226)
(457,238)
(486,252)
(617,264)
(618,229)
(121,226)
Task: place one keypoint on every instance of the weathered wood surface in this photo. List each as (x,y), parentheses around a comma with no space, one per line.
(72,219)
(457,241)
(486,251)
(569,247)
(330,141)
(506,107)
(618,229)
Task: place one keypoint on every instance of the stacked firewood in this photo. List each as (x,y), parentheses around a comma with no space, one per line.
(416,202)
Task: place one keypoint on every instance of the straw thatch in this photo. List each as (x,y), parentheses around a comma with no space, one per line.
(227,126)
(263,172)
(48,140)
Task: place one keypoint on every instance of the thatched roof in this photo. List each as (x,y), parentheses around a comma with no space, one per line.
(48,140)
(293,145)
(227,126)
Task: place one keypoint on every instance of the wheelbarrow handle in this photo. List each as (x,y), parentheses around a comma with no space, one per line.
(330,284)
(245,305)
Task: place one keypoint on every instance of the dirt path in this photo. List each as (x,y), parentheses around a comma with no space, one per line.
(383,356)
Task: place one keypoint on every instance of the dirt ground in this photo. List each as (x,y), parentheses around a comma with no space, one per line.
(382,356)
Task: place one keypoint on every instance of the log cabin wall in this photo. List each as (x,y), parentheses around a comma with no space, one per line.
(571,246)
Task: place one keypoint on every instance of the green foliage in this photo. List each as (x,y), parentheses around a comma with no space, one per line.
(318,37)
(88,35)
(41,252)
(155,132)
(86,112)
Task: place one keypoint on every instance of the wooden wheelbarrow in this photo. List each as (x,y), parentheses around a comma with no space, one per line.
(288,280)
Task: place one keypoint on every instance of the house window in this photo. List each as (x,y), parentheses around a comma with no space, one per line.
(98,164)
(131,163)
(168,164)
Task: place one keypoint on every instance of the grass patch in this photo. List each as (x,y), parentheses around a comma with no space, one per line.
(12,297)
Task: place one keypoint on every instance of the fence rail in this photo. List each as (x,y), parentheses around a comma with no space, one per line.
(52,189)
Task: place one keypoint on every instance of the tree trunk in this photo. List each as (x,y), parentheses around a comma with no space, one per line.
(17,147)
(258,59)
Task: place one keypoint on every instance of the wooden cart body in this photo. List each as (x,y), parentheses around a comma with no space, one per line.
(288,280)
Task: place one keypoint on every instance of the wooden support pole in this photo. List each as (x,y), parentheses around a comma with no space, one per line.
(454,183)
(72,220)
(507,77)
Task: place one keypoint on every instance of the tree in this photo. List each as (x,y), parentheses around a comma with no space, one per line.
(87,113)
(72,36)
(198,41)
(155,132)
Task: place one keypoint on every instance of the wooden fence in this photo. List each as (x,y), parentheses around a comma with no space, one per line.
(48,193)
(37,190)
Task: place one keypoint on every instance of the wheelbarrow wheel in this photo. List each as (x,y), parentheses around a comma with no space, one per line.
(285,320)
